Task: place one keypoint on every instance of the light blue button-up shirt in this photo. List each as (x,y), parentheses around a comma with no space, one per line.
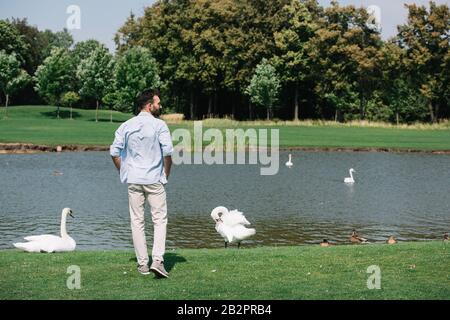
(142,143)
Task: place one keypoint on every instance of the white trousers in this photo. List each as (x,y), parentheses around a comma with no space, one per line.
(155,195)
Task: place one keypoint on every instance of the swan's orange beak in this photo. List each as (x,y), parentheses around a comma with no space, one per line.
(70,214)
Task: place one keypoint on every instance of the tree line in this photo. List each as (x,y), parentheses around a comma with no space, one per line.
(38,66)
(246,59)
(330,63)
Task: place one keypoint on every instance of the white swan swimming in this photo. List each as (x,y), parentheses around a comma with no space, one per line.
(231,225)
(50,243)
(289,164)
(350,179)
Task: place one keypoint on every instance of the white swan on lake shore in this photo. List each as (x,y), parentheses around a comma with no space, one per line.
(350,179)
(50,243)
(231,225)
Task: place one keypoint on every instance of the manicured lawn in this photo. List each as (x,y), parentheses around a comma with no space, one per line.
(37,124)
(417,270)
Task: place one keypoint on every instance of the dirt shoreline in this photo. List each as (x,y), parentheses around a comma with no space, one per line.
(10,148)
(29,148)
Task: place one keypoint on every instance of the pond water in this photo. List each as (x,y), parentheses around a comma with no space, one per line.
(405,195)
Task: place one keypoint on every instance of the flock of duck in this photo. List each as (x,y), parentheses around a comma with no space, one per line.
(231,225)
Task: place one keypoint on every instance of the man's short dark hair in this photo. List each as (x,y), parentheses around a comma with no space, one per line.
(144,98)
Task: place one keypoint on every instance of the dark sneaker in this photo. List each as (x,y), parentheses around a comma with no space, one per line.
(157,268)
(144,269)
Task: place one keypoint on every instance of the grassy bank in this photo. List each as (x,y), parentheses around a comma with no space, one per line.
(37,125)
(408,271)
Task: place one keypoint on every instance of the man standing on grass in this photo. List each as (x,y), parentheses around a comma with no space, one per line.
(142,151)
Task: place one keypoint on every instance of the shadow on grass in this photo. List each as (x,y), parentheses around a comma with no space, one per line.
(170,260)
(63,114)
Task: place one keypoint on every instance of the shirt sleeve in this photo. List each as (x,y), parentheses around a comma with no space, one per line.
(118,144)
(165,140)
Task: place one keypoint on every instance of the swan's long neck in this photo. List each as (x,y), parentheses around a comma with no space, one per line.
(63,226)
(290,158)
(351,174)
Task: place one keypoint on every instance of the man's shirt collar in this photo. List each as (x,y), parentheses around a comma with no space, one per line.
(144,113)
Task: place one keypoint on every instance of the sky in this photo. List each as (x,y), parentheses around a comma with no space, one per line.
(100,19)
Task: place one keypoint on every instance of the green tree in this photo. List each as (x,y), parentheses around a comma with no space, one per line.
(249,39)
(34,55)
(60,39)
(161,24)
(291,59)
(12,76)
(205,47)
(264,87)
(69,99)
(129,34)
(134,71)
(208,42)
(55,77)
(110,99)
(95,74)
(38,43)
(344,53)
(425,38)
(330,60)
(84,49)
(11,41)
(394,78)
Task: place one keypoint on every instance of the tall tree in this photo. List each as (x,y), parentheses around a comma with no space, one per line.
(291,59)
(55,77)
(95,74)
(33,39)
(11,41)
(129,34)
(344,52)
(135,70)
(425,37)
(68,100)
(264,87)
(12,76)
(37,46)
(84,49)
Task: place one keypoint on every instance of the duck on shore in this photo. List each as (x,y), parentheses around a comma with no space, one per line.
(355,238)
(391,240)
(326,243)
(446,236)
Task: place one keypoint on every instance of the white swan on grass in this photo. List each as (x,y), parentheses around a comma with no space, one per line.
(289,164)
(231,225)
(350,179)
(50,243)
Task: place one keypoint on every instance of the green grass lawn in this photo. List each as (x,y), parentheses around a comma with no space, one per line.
(38,125)
(417,270)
